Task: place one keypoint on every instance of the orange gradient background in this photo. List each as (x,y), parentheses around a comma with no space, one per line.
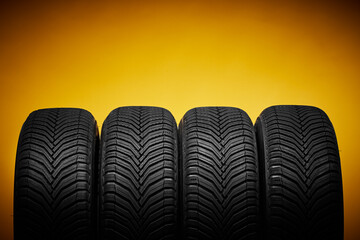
(100,55)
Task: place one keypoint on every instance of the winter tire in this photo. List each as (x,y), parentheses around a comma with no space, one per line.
(138,174)
(301,182)
(54,194)
(219,171)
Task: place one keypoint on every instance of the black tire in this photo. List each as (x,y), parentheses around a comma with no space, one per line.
(301,177)
(219,171)
(138,174)
(54,186)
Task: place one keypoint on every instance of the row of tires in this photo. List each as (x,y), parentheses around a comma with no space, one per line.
(216,176)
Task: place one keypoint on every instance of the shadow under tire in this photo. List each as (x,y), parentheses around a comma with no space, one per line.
(219,171)
(301,181)
(54,189)
(138,174)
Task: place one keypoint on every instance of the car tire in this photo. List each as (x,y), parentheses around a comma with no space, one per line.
(54,190)
(301,185)
(138,174)
(219,171)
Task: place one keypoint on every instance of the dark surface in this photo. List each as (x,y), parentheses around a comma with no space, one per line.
(220,196)
(300,166)
(54,188)
(138,174)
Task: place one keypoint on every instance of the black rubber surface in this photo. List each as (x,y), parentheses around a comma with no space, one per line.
(54,188)
(301,177)
(220,187)
(138,174)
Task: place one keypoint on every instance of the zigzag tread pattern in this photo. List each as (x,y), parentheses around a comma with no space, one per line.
(53,194)
(138,174)
(220,174)
(302,184)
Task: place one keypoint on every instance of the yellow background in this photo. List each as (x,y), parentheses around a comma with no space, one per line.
(179,55)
